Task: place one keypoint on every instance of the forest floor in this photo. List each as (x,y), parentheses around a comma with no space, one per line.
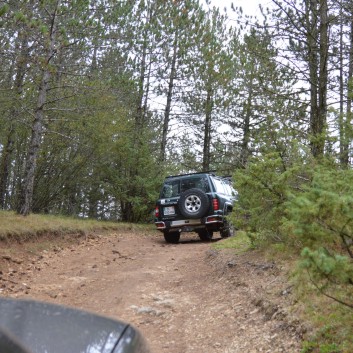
(184,298)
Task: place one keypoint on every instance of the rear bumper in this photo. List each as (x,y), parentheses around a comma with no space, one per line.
(190,224)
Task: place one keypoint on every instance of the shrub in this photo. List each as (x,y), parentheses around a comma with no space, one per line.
(321,218)
(264,187)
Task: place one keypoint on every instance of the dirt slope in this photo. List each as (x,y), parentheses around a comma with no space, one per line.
(184,298)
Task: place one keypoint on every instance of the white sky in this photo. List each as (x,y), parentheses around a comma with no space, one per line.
(250,7)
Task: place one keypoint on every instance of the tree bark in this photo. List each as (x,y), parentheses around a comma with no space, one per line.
(207,134)
(37,126)
(169,98)
(323,77)
(246,127)
(347,137)
(5,163)
(312,37)
(341,90)
(318,73)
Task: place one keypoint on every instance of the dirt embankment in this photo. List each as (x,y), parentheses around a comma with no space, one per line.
(184,298)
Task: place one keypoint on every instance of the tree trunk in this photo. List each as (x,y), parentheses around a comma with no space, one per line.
(207,134)
(341,90)
(323,77)
(169,99)
(37,127)
(32,156)
(311,14)
(318,68)
(5,166)
(246,128)
(5,163)
(347,137)
(140,113)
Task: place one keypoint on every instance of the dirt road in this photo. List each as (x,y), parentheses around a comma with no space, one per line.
(184,298)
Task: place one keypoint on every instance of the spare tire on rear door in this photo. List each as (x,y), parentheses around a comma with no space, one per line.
(193,203)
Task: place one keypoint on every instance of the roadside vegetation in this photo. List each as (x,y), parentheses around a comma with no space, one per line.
(15,227)
(239,243)
(302,210)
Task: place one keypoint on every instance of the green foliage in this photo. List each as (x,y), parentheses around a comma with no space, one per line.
(289,204)
(332,275)
(321,220)
(333,333)
(264,187)
(323,214)
(310,347)
(4,9)
(20,17)
(336,266)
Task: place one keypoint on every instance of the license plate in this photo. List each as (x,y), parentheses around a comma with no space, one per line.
(169,210)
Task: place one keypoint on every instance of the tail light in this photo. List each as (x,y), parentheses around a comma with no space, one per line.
(215,204)
(160,225)
(156,211)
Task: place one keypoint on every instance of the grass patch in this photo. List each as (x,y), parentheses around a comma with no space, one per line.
(17,227)
(332,322)
(240,243)
(23,237)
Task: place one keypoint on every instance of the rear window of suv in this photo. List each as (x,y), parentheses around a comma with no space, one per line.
(219,185)
(223,187)
(173,188)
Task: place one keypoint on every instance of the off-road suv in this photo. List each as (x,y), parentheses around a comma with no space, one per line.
(197,202)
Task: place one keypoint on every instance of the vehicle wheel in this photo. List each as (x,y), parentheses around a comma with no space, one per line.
(227,230)
(193,203)
(172,237)
(205,234)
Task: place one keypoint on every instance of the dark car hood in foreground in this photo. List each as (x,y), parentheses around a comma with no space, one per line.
(47,328)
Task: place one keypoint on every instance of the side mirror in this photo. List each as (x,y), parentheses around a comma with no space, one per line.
(28,326)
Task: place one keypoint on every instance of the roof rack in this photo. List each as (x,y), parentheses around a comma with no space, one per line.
(206,172)
(227,178)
